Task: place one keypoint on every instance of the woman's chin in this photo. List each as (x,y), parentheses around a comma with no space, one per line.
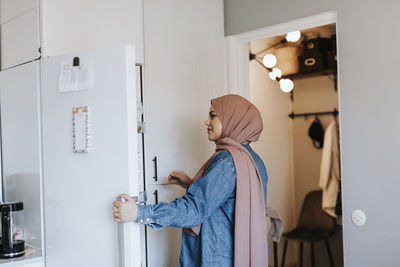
(212,138)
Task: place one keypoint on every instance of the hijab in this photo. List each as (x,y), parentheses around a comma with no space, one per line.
(242,124)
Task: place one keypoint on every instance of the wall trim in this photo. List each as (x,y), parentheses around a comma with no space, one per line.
(237,57)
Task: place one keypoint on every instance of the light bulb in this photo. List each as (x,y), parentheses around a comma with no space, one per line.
(276,73)
(286,85)
(269,60)
(293,36)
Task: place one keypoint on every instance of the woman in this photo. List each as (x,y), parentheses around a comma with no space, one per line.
(223,212)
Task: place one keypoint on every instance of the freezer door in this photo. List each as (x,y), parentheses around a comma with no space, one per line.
(88,165)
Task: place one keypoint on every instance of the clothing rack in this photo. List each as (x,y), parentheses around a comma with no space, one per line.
(335,112)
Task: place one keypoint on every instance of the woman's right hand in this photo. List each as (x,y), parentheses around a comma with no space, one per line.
(179,178)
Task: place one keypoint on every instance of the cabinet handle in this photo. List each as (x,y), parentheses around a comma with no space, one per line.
(155,177)
(156,196)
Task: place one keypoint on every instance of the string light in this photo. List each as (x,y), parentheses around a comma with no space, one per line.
(293,36)
(275,73)
(286,85)
(269,60)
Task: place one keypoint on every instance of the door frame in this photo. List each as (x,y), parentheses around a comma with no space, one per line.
(237,59)
(237,50)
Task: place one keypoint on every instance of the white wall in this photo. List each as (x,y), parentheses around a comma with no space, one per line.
(76,25)
(275,144)
(369,112)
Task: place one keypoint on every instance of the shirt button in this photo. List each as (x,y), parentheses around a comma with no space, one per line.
(148,219)
(141,220)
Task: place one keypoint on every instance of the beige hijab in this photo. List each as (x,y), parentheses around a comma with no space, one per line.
(242,124)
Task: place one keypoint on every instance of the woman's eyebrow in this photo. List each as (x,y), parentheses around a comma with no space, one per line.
(212,112)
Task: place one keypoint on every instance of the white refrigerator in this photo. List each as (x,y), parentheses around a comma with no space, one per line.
(90,155)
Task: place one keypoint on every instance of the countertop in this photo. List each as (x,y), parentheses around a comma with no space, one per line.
(31,256)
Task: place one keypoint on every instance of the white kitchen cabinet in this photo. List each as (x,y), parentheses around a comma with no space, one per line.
(10,9)
(163,246)
(184,68)
(20,39)
(76,25)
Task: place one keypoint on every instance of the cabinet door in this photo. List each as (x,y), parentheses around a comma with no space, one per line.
(163,246)
(77,25)
(20,39)
(11,9)
(184,69)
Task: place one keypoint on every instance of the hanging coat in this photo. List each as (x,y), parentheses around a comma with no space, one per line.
(330,169)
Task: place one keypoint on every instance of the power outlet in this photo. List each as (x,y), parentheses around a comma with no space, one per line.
(358,217)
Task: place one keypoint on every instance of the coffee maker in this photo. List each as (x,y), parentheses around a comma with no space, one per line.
(12,230)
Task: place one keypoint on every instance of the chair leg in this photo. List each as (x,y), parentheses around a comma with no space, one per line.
(312,254)
(275,254)
(301,253)
(329,252)
(284,253)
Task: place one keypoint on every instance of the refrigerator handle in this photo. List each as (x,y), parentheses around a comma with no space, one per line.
(140,199)
(155,177)
(121,247)
(155,196)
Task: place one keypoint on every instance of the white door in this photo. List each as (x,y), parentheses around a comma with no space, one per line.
(184,68)
(20,40)
(79,188)
(163,245)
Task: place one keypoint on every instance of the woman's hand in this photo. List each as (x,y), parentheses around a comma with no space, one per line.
(179,178)
(125,211)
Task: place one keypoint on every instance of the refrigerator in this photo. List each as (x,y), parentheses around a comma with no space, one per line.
(92,151)
(74,136)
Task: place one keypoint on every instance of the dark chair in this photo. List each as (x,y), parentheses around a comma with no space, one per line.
(313,225)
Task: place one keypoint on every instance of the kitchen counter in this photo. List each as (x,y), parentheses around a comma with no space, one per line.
(32,258)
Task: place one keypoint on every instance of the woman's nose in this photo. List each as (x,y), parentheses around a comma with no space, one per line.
(207,122)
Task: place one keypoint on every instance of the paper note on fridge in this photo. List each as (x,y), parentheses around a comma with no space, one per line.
(75,77)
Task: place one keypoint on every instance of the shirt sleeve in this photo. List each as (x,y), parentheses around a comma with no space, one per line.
(203,197)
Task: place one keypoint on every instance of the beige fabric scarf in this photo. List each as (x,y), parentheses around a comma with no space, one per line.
(242,124)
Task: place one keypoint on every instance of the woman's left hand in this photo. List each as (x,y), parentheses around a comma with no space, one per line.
(125,211)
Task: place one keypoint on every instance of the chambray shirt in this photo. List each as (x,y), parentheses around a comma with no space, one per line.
(210,201)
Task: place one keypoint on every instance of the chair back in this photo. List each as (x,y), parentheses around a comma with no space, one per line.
(313,217)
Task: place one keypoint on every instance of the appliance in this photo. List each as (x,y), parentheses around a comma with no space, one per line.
(83,139)
(90,156)
(12,230)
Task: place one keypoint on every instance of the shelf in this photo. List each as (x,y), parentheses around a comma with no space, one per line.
(311,74)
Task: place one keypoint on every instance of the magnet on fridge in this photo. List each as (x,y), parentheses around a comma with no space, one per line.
(80,129)
(75,76)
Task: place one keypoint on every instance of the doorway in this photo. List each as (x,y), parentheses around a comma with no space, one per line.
(292,158)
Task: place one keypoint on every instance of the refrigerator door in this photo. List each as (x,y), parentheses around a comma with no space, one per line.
(81,184)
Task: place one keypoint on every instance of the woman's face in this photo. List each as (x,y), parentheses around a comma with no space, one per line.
(214,126)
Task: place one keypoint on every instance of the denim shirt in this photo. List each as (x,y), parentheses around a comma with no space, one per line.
(210,201)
